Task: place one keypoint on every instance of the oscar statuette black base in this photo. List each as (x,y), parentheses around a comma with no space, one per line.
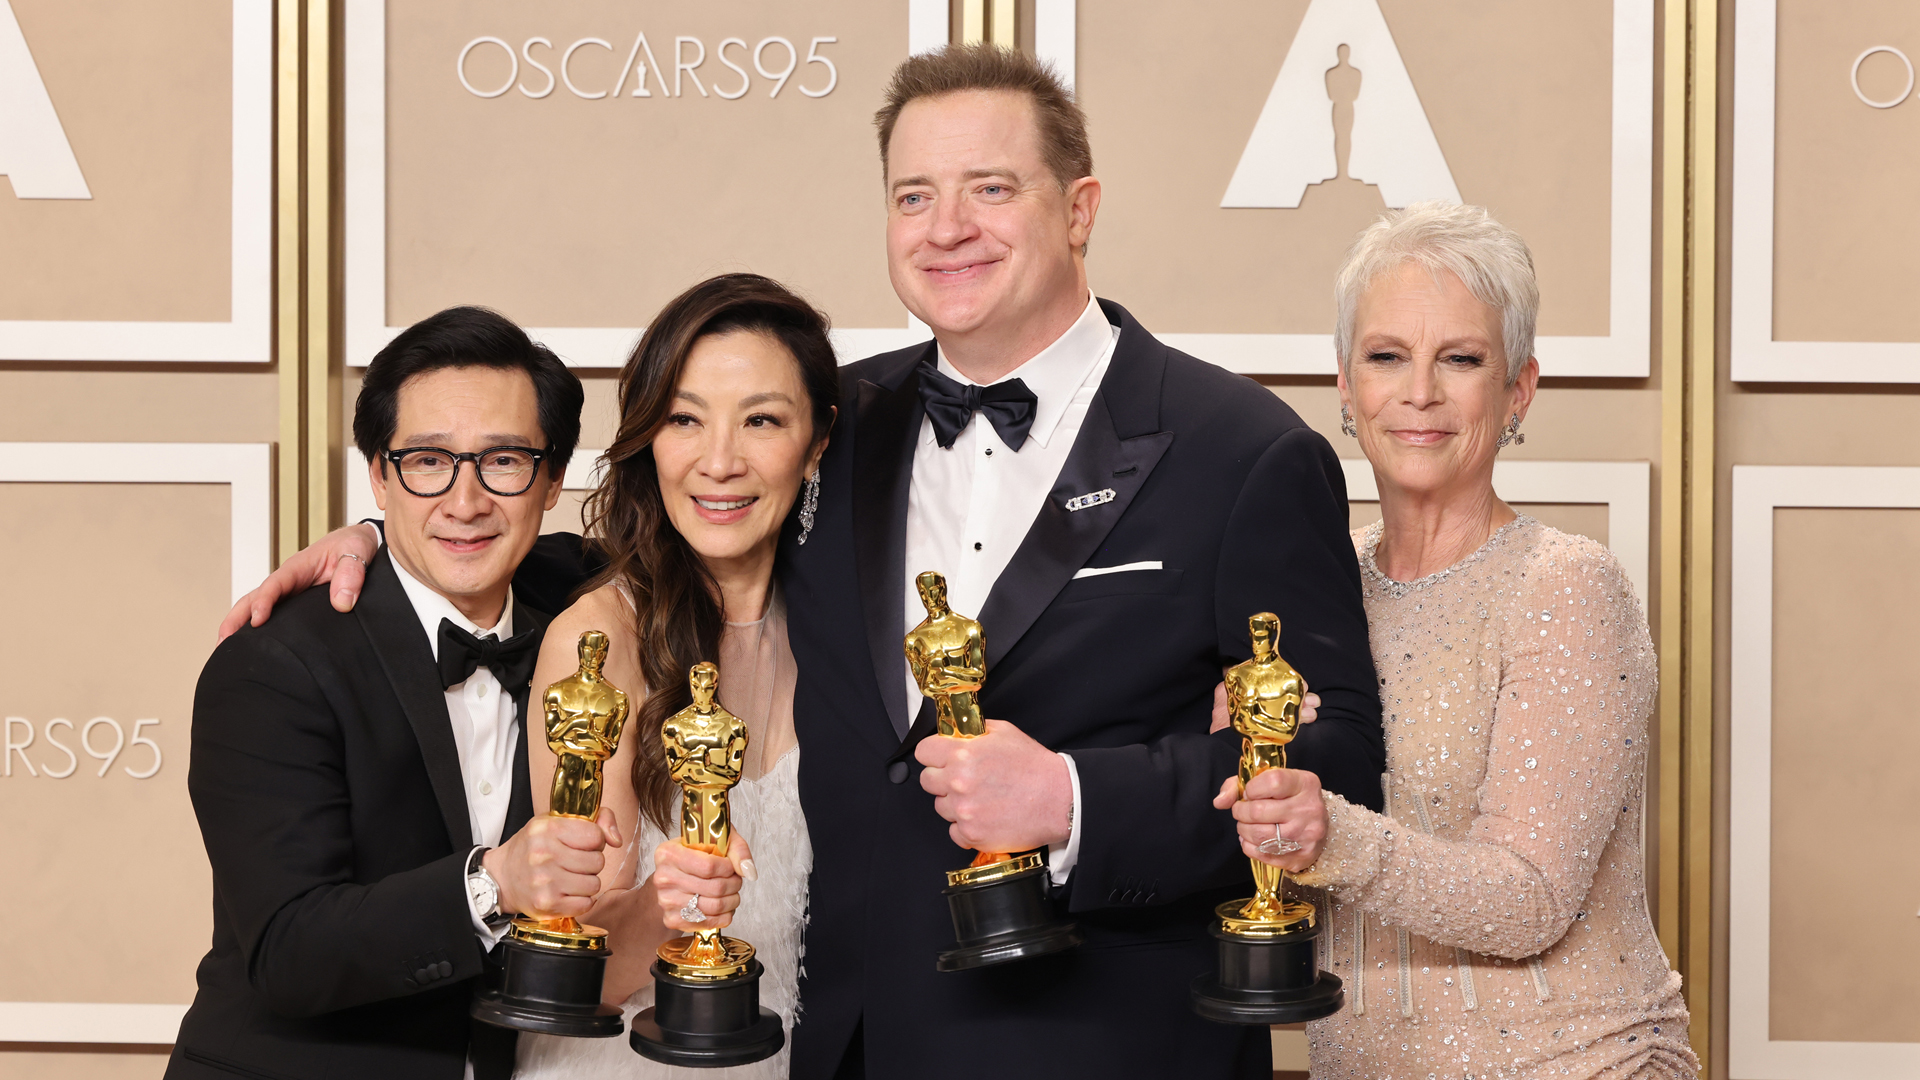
(1267,981)
(702,1024)
(551,991)
(1004,920)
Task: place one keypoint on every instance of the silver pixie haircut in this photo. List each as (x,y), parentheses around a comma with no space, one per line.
(1489,259)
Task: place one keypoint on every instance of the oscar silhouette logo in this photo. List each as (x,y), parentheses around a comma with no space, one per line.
(999,903)
(1342,107)
(1267,973)
(555,965)
(707,1011)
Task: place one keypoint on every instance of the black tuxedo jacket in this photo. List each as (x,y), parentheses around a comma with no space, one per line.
(1245,508)
(328,789)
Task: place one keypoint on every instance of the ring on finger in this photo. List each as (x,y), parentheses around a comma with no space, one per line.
(1280,845)
(690,911)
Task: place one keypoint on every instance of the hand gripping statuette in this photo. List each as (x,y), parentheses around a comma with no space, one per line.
(707,1011)
(554,965)
(1267,973)
(999,904)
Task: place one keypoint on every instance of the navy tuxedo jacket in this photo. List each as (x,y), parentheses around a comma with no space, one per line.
(328,789)
(1245,509)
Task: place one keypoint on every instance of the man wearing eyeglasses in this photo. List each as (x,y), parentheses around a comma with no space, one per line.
(361,778)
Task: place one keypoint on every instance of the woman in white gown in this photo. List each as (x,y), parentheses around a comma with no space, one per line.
(725,407)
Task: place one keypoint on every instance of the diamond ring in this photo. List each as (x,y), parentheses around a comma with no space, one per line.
(1280,845)
(690,911)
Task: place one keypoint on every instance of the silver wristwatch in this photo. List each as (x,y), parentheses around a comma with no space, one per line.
(483,891)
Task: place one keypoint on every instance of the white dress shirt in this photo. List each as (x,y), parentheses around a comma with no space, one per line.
(970,506)
(486,727)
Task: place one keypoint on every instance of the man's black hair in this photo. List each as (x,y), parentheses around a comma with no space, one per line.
(467,337)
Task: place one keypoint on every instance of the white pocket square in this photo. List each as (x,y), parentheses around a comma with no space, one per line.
(1096,571)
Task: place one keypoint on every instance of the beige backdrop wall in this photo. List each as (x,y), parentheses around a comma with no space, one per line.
(585,163)
(112,587)
(1843,955)
(1173,96)
(153,241)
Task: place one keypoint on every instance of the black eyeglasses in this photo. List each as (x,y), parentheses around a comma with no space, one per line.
(428,471)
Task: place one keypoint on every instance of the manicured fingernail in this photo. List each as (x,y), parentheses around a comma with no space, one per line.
(748,871)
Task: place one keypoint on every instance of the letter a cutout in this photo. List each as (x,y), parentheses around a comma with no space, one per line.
(34,152)
(1292,144)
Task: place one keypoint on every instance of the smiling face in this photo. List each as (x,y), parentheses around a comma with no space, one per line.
(1427,383)
(736,446)
(465,544)
(982,243)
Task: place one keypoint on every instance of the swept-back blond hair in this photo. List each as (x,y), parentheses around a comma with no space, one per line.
(958,68)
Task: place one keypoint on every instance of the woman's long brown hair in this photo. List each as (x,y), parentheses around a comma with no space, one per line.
(676,601)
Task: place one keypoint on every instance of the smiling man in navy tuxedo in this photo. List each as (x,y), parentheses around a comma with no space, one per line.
(355,775)
(1112,511)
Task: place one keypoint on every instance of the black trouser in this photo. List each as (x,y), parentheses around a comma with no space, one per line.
(853,1064)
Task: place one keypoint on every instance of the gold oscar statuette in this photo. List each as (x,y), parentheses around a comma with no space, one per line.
(584,716)
(1264,695)
(706,1011)
(1266,972)
(555,967)
(999,903)
(705,746)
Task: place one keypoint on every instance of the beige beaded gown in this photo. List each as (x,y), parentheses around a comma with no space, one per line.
(757,676)
(1493,923)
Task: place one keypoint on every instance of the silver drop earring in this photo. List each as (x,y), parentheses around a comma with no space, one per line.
(1347,425)
(1511,436)
(809,502)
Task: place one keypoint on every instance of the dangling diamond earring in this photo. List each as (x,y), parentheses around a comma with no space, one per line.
(1347,425)
(1511,436)
(809,502)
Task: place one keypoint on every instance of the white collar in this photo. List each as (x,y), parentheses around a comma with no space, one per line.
(431,607)
(1057,372)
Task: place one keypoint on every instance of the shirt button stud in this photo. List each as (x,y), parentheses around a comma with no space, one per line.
(480,689)
(486,788)
(976,546)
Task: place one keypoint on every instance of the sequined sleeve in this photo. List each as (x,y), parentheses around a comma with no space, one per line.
(1567,753)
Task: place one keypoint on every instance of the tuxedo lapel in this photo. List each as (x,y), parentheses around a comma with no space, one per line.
(888,425)
(388,619)
(1117,449)
(520,802)
(1062,540)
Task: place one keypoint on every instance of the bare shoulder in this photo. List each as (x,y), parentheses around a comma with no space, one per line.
(605,609)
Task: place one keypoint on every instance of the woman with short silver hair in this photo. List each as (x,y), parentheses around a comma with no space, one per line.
(1493,921)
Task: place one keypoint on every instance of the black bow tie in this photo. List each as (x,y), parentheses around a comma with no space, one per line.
(511,661)
(1009,406)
